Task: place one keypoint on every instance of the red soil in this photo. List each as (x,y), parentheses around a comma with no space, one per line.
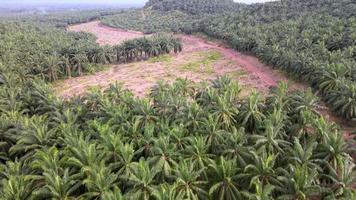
(140,79)
(105,34)
(141,76)
(249,63)
(258,71)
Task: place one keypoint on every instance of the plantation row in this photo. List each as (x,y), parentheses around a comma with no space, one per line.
(144,48)
(313,41)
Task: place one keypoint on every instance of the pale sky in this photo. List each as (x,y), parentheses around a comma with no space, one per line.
(99,1)
(251,1)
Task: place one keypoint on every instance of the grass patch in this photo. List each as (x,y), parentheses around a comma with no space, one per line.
(192,66)
(236,73)
(230,63)
(199,67)
(135,66)
(210,55)
(92,68)
(162,58)
(204,63)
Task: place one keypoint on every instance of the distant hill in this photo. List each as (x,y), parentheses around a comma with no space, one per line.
(194,6)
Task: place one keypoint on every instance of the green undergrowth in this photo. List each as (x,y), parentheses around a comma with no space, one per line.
(203,63)
(236,73)
(91,69)
(163,59)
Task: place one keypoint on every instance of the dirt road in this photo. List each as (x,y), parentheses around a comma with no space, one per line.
(105,34)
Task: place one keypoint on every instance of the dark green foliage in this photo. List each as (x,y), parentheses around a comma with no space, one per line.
(194,6)
(64,18)
(151,21)
(189,143)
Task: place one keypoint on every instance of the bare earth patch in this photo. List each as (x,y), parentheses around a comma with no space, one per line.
(105,34)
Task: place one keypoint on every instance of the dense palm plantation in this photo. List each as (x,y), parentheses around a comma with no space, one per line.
(185,140)
(189,143)
(195,6)
(151,21)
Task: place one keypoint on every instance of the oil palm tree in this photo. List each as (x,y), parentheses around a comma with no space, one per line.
(79,60)
(104,55)
(99,180)
(250,114)
(114,194)
(302,154)
(58,186)
(165,192)
(272,138)
(299,183)
(65,61)
(224,180)
(262,168)
(142,180)
(188,182)
(235,146)
(52,67)
(17,187)
(212,132)
(178,136)
(332,149)
(197,153)
(225,113)
(262,192)
(163,158)
(343,101)
(36,134)
(341,180)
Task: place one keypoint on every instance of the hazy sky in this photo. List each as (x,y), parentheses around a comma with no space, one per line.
(251,1)
(97,1)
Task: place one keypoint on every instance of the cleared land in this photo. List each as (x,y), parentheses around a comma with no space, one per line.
(105,34)
(200,60)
